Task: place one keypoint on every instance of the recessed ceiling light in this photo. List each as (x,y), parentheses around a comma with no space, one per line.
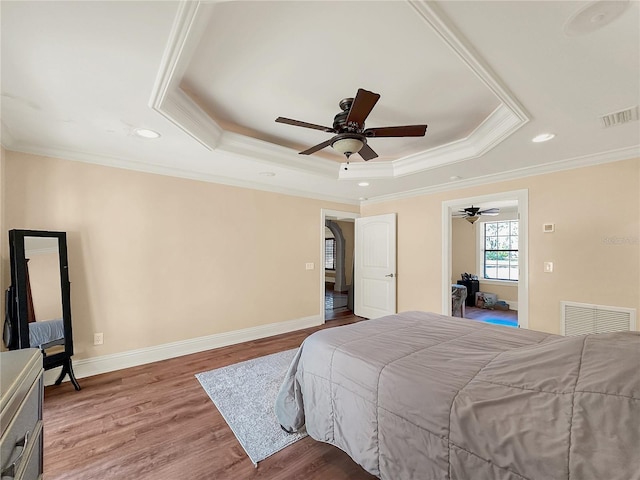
(363,184)
(455,177)
(267,174)
(146,133)
(543,137)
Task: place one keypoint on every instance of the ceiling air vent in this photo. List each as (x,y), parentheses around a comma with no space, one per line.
(618,118)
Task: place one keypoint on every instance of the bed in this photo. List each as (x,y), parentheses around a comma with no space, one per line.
(425,396)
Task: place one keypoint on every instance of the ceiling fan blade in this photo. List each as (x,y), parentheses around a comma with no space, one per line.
(320,146)
(361,107)
(367,153)
(490,211)
(405,131)
(298,123)
(490,214)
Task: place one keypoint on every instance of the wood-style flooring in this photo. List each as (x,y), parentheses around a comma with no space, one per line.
(156,422)
(335,304)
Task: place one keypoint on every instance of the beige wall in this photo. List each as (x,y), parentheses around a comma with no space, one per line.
(156,259)
(463,248)
(595,248)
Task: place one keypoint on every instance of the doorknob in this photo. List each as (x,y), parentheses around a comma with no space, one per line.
(390,275)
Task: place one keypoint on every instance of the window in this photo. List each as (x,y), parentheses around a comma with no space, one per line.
(500,245)
(330,253)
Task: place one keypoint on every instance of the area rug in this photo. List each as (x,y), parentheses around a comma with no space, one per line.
(245,394)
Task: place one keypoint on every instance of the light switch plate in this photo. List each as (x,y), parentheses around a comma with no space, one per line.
(548,267)
(309,266)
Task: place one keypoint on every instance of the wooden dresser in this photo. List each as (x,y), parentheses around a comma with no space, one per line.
(22,392)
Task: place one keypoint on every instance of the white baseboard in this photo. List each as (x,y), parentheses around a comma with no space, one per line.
(132,358)
(513,305)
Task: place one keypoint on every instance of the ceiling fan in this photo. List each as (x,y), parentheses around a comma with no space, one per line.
(472,214)
(348,127)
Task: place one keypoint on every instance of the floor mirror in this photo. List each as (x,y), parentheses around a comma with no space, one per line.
(38,303)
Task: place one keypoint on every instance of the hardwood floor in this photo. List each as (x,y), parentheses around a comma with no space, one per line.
(335,304)
(156,422)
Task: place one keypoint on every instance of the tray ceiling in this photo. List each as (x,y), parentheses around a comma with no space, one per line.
(211,77)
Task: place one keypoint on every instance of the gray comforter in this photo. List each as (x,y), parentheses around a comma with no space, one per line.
(425,396)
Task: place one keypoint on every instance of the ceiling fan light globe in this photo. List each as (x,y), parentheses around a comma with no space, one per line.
(347,146)
(471,220)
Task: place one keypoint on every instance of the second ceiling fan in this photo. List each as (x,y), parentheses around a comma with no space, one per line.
(472,214)
(348,126)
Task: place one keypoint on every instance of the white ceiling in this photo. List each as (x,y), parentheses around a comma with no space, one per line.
(212,77)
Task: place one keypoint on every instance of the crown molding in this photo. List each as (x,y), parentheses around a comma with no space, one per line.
(269,153)
(167,98)
(610,156)
(137,166)
(178,108)
(173,103)
(183,25)
(501,123)
(452,37)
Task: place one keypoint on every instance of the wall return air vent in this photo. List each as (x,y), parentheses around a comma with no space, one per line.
(583,318)
(620,117)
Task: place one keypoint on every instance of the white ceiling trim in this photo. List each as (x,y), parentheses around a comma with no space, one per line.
(501,123)
(167,98)
(179,109)
(170,101)
(258,150)
(456,41)
(551,167)
(128,164)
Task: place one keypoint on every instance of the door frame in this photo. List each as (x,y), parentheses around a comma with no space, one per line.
(324,213)
(449,206)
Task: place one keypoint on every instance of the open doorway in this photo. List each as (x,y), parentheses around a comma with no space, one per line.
(338,242)
(468,249)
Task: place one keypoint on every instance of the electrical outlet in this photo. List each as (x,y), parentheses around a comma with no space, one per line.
(98,338)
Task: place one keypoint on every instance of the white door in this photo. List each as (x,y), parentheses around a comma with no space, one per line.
(375,266)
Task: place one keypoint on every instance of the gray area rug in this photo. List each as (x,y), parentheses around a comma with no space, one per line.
(245,394)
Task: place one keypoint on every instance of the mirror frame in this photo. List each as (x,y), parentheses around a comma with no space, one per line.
(19,288)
